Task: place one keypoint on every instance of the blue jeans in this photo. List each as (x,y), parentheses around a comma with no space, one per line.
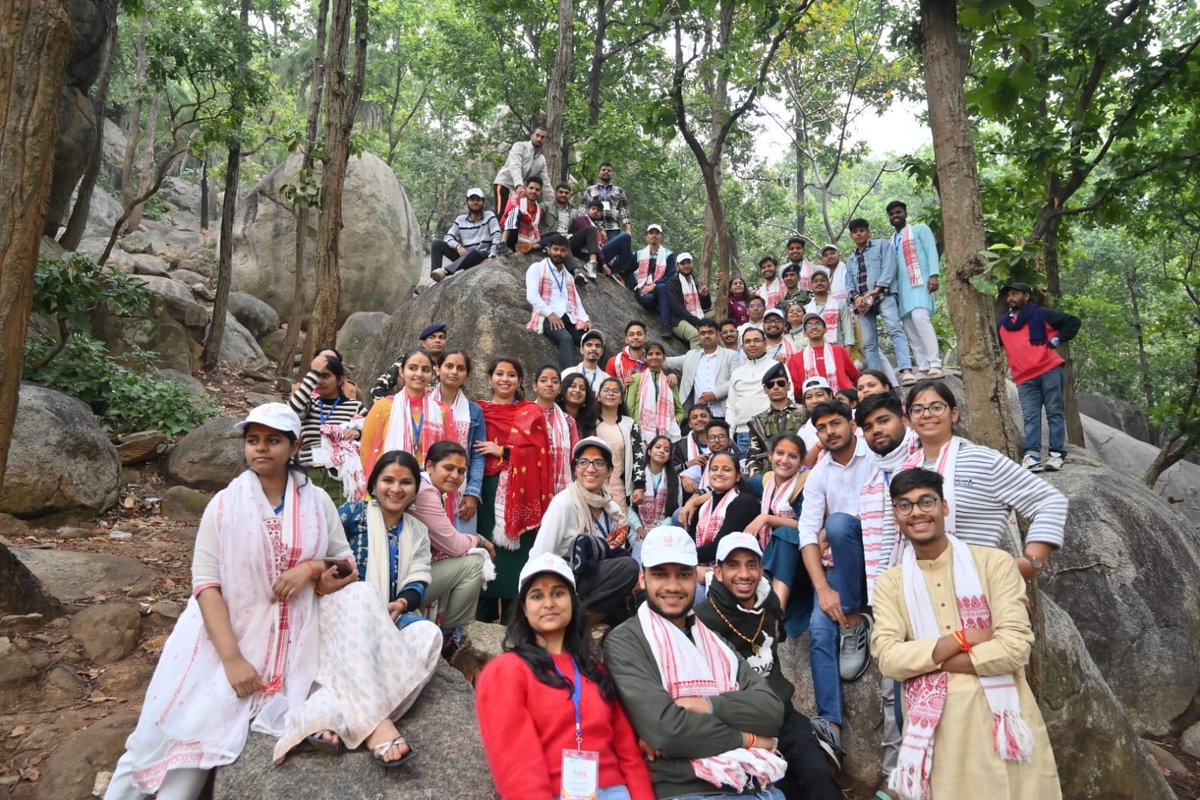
(618,253)
(1044,390)
(657,299)
(868,333)
(770,793)
(846,577)
(742,441)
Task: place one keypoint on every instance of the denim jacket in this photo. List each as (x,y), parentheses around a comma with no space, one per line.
(476,433)
(881,267)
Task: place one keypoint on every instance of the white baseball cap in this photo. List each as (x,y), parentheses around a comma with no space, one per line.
(684,257)
(829,246)
(668,544)
(475,191)
(654,226)
(824,270)
(815,383)
(774,312)
(278,416)
(546,562)
(737,541)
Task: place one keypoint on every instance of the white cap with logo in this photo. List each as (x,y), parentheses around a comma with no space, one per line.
(278,416)
(737,541)
(668,544)
(546,562)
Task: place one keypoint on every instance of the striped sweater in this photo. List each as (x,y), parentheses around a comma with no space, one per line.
(313,410)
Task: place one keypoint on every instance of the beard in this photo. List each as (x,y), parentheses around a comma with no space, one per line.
(888,446)
(672,617)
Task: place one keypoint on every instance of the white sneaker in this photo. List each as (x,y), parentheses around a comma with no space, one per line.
(437,275)
(1033,462)
(1054,462)
(591,271)
(907,378)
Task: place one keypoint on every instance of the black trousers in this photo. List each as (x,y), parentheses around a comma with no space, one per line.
(439,250)
(502,194)
(809,774)
(566,340)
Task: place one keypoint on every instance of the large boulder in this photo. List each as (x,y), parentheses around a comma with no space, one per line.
(441,726)
(71,576)
(60,459)
(183,195)
(255,315)
(1179,486)
(1127,574)
(208,457)
(356,335)
(172,327)
(380,249)
(1117,414)
(72,770)
(485,311)
(239,347)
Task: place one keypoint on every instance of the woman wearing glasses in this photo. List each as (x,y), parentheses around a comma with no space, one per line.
(982,484)
(585,526)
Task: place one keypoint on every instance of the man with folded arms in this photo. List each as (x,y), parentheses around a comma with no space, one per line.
(707,720)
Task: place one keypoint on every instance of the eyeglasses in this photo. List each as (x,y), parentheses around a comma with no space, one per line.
(597,464)
(718,437)
(935,409)
(813,323)
(778,383)
(925,502)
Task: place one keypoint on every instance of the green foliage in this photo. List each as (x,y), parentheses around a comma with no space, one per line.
(71,289)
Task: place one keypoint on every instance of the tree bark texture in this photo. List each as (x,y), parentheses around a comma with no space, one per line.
(35,42)
(146,174)
(596,72)
(73,235)
(342,91)
(204,191)
(972,313)
(556,95)
(134,130)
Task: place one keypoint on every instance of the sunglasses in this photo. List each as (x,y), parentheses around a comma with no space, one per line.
(778,383)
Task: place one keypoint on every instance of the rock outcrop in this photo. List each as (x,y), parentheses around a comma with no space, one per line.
(485,312)
(381,243)
(1117,414)
(441,726)
(208,457)
(357,333)
(60,460)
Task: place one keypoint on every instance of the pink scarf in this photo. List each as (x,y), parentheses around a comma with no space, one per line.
(925,695)
(777,502)
(875,511)
(562,440)
(712,517)
(573,308)
(653,509)
(656,405)
(691,298)
(704,666)
(434,423)
(812,371)
(946,464)
(908,254)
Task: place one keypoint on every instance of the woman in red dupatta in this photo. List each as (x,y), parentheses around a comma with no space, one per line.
(516,480)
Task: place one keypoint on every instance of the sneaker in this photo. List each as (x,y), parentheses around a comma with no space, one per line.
(437,275)
(1054,462)
(829,740)
(907,378)
(854,656)
(591,271)
(1033,462)
(504,250)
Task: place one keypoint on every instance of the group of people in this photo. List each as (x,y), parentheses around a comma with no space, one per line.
(649,528)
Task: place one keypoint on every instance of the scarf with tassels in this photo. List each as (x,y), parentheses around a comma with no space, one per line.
(656,406)
(523,490)
(906,254)
(880,537)
(925,695)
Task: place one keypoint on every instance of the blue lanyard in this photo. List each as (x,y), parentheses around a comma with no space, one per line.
(279,508)
(417,427)
(604,528)
(656,485)
(559,281)
(327,414)
(577,699)
(394,554)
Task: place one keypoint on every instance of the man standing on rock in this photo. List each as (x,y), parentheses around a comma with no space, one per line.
(916,283)
(1031,335)
(951,623)
(870,290)
(558,313)
(471,240)
(525,160)
(614,220)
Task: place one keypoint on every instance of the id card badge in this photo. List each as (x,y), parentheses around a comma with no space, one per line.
(580,774)
(607,205)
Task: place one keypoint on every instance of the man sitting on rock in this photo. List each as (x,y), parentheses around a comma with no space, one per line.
(588,239)
(951,623)
(741,608)
(689,302)
(706,717)
(522,218)
(471,240)
(433,341)
(558,313)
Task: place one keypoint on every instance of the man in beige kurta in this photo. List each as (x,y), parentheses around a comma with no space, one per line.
(965,762)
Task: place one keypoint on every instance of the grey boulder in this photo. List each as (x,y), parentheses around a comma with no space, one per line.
(257,317)
(357,333)
(208,457)
(239,347)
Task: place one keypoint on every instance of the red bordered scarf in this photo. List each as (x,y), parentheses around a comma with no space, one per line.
(712,517)
(875,511)
(656,406)
(643,265)
(777,501)
(563,436)
(906,249)
(811,370)
(772,292)
(524,489)
(653,509)
(626,365)
(574,309)
(691,297)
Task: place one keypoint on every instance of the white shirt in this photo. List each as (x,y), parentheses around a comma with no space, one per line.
(808,434)
(834,489)
(746,395)
(558,291)
(706,381)
(594,377)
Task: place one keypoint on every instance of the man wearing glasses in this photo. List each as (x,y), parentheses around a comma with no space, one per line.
(821,359)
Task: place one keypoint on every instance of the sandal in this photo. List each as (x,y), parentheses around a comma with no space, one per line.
(316,741)
(380,750)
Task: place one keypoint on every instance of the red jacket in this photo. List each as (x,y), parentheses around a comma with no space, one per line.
(1027,361)
(847,373)
(526,725)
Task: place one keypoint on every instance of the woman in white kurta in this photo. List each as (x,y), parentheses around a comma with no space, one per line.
(245,653)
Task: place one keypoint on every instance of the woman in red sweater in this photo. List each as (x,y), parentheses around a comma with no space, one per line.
(527,696)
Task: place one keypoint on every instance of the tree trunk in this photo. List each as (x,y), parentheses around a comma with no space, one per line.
(962,219)
(1131,283)
(342,92)
(1070,401)
(73,235)
(798,124)
(556,94)
(146,172)
(299,301)
(35,42)
(596,73)
(204,192)
(133,131)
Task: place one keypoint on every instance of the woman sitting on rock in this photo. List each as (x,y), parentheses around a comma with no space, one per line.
(516,483)
(577,399)
(728,508)
(412,420)
(548,696)
(469,428)
(628,479)
(663,495)
(244,653)
(559,426)
(461,561)
(331,424)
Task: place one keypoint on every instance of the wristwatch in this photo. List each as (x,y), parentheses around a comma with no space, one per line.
(1038,563)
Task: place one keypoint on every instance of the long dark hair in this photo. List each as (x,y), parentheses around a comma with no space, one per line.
(740,486)
(399,457)
(622,410)
(669,470)
(578,643)
(589,412)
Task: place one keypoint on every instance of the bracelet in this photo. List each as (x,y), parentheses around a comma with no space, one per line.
(753,741)
(960,636)
(314,570)
(317,590)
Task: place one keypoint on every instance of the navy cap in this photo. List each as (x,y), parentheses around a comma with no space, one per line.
(791,267)
(777,371)
(431,329)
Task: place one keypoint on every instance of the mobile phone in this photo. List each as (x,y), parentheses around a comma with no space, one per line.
(342,564)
